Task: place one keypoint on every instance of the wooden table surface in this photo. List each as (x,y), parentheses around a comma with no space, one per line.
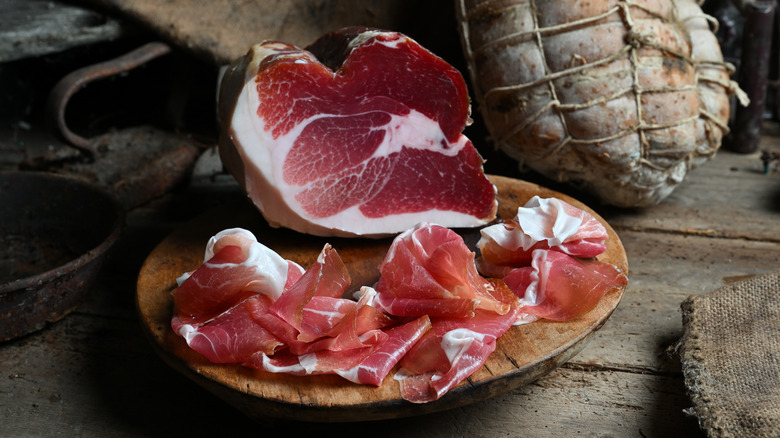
(95,374)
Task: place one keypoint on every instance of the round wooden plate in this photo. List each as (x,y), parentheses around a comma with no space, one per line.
(522,355)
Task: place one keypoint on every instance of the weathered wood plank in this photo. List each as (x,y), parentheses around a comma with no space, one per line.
(730,196)
(665,270)
(97,376)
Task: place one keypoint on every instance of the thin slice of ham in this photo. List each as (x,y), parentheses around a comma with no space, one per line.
(231,337)
(327,277)
(361,135)
(450,352)
(542,223)
(559,287)
(428,265)
(235,267)
(429,270)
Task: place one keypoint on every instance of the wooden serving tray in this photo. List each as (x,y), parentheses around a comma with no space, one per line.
(522,355)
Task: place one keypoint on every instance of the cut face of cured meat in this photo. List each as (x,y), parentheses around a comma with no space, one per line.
(369,145)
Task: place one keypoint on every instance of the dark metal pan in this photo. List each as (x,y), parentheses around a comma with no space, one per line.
(55,233)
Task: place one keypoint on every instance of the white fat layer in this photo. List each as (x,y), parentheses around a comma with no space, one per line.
(350,374)
(329,314)
(534,293)
(308,362)
(541,219)
(266,154)
(369,34)
(268,366)
(227,232)
(401,374)
(525,318)
(182,278)
(368,294)
(456,342)
(188,332)
(270,268)
(361,225)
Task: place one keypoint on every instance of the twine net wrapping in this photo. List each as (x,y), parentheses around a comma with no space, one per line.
(623,96)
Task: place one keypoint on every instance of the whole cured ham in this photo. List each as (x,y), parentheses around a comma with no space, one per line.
(361,135)
(620,98)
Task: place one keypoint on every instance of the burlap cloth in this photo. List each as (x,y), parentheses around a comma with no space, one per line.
(730,354)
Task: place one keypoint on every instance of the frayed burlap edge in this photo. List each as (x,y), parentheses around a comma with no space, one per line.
(730,354)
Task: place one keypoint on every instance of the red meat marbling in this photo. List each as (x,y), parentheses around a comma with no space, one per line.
(361,135)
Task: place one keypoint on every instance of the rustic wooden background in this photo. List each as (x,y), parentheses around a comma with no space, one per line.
(95,374)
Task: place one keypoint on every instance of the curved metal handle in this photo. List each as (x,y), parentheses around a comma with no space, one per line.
(71,83)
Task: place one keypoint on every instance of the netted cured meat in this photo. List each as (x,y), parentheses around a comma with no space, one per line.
(621,97)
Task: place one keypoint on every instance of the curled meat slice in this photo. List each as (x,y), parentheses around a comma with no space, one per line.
(450,352)
(559,287)
(428,263)
(236,266)
(231,337)
(469,352)
(327,277)
(360,347)
(542,223)
(376,366)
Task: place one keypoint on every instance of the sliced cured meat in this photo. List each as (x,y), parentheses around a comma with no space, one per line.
(241,267)
(360,135)
(428,263)
(367,365)
(327,277)
(450,352)
(437,316)
(559,287)
(231,337)
(542,223)
(467,351)
(376,366)
(321,314)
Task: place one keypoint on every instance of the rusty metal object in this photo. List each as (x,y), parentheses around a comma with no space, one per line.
(55,233)
(136,164)
(753,73)
(70,84)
